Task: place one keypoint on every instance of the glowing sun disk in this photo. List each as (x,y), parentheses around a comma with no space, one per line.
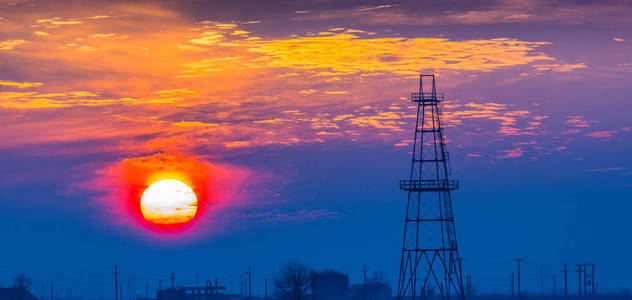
(168,202)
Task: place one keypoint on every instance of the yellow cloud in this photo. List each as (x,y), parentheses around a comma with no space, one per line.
(10,44)
(20,85)
(560,67)
(346,53)
(207,39)
(57,21)
(307,92)
(336,92)
(240,32)
(194,124)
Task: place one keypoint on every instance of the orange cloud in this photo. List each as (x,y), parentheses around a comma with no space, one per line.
(174,83)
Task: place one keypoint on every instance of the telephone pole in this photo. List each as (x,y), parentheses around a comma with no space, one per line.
(592,278)
(249,282)
(364,270)
(579,279)
(518,260)
(585,276)
(116,273)
(565,280)
(469,286)
(266,287)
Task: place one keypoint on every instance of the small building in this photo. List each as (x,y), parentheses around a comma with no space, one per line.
(371,291)
(193,293)
(15,293)
(330,285)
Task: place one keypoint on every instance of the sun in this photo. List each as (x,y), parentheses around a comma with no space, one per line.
(168,202)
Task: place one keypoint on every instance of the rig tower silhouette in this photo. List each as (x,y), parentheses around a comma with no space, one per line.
(430,264)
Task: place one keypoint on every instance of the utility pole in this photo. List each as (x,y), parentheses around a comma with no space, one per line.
(585,286)
(249,282)
(469,286)
(173,279)
(116,273)
(565,280)
(241,284)
(364,270)
(579,279)
(592,275)
(518,260)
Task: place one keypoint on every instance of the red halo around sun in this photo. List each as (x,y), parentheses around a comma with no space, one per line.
(220,189)
(139,173)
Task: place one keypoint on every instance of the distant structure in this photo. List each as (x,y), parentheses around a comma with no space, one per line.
(586,273)
(371,291)
(430,260)
(208,292)
(330,285)
(16,293)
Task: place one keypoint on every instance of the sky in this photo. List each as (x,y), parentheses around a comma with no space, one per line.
(292,120)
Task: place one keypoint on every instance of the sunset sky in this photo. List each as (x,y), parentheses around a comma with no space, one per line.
(293,119)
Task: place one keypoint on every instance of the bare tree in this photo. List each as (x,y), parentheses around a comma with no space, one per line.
(21,281)
(293,281)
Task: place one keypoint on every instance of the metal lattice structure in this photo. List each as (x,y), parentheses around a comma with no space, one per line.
(430,265)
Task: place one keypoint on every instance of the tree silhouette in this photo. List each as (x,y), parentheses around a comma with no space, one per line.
(21,281)
(293,281)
